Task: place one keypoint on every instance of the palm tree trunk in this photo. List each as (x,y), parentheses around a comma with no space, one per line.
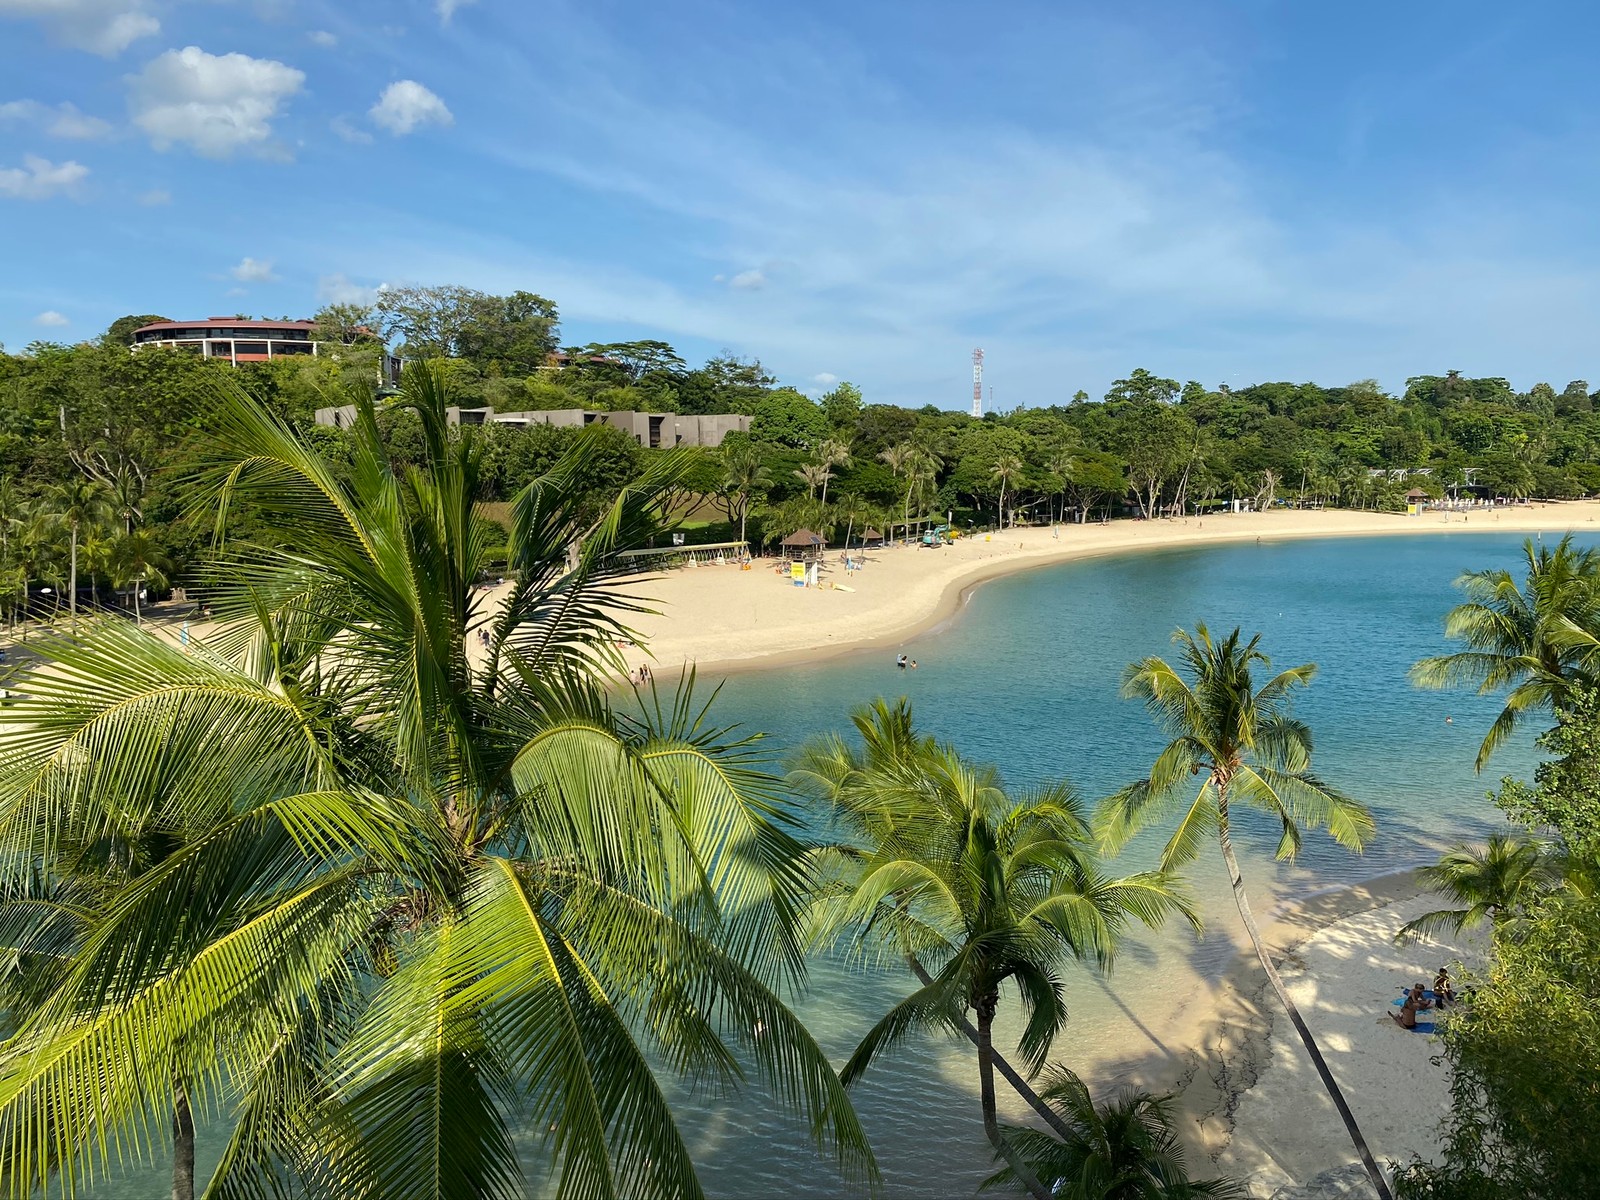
(991,1123)
(1011,1074)
(72,588)
(743,513)
(182,1147)
(1242,900)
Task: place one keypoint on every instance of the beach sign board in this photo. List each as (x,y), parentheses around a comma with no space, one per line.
(797,572)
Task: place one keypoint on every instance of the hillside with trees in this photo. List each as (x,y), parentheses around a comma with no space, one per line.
(120,423)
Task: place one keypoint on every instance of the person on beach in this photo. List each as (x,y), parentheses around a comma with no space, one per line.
(913,664)
(901,662)
(1406,1018)
(1443,993)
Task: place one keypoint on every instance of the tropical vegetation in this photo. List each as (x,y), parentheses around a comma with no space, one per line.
(398,908)
(1124,1148)
(974,887)
(1246,748)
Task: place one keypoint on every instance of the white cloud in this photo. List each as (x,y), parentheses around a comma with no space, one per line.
(340,289)
(407,104)
(155,197)
(321,37)
(52,319)
(39,178)
(216,104)
(825,378)
(447,8)
(350,133)
(105,27)
(749,281)
(252,270)
(62,120)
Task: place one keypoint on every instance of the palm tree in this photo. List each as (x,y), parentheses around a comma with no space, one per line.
(832,453)
(814,475)
(394,906)
(1006,471)
(138,560)
(78,502)
(743,478)
(971,885)
(1491,884)
(1123,1149)
(1540,638)
(901,457)
(1244,746)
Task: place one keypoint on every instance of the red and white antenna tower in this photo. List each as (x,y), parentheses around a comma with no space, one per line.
(977,383)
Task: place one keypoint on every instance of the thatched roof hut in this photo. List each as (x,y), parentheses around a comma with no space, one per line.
(803,543)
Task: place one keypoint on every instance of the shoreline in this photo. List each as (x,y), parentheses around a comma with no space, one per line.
(731,621)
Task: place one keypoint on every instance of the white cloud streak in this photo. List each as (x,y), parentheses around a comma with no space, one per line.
(40,179)
(51,319)
(216,104)
(405,105)
(253,270)
(103,27)
(61,120)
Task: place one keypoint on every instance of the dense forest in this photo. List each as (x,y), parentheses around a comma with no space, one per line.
(93,438)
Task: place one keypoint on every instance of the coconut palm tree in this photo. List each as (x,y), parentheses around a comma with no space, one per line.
(391,907)
(78,502)
(1539,638)
(1244,747)
(971,885)
(1006,472)
(814,475)
(1123,1149)
(139,561)
(902,458)
(834,452)
(743,479)
(1491,884)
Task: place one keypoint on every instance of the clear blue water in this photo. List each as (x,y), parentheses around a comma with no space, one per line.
(1027,676)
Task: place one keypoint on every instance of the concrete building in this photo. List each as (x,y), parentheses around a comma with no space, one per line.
(244,341)
(654,430)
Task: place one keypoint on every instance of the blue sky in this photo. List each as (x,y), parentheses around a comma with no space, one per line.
(1225,192)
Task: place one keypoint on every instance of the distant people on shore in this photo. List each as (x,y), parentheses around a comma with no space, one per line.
(1443,992)
(901,661)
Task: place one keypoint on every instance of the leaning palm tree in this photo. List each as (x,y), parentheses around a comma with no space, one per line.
(1244,746)
(1490,884)
(1538,638)
(1123,1149)
(972,886)
(386,913)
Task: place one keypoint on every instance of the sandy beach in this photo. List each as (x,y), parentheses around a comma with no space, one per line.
(722,617)
(1268,1120)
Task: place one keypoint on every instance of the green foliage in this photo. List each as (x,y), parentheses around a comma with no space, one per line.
(785,417)
(1126,1148)
(383,902)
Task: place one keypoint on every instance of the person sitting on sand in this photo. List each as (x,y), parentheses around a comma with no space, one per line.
(1406,1018)
(1443,993)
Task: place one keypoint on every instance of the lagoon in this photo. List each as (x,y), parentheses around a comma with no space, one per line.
(1027,676)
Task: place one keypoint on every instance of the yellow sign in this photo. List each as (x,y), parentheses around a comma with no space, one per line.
(797,572)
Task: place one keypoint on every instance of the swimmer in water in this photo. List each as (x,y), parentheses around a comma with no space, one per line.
(1449,720)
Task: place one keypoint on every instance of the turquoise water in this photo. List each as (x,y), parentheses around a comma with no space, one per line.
(1027,676)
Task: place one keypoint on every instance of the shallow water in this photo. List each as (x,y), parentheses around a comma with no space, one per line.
(1027,676)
